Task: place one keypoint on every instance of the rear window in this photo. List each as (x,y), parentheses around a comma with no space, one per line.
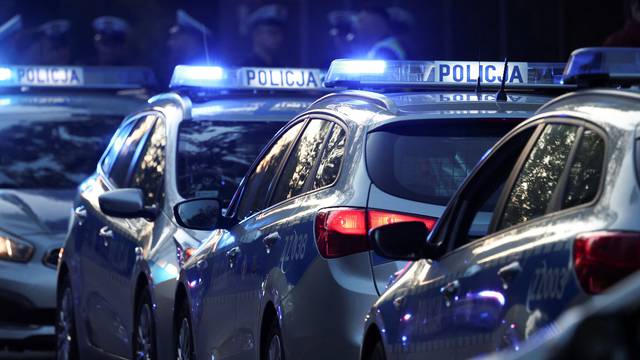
(427,161)
(214,155)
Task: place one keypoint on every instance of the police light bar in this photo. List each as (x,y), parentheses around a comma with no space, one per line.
(251,78)
(603,65)
(95,77)
(381,73)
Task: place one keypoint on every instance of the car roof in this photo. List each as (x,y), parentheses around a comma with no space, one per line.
(608,108)
(251,108)
(75,102)
(376,109)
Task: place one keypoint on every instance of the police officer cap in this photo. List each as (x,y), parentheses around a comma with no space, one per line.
(110,24)
(400,19)
(55,28)
(272,14)
(186,22)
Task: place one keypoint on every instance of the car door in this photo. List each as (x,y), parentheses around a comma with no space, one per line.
(218,332)
(433,309)
(132,238)
(108,327)
(274,257)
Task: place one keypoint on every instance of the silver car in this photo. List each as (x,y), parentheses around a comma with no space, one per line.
(289,272)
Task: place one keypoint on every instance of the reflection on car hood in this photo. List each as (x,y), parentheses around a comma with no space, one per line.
(26,212)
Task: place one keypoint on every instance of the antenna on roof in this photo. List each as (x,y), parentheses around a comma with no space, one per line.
(501,95)
(478,87)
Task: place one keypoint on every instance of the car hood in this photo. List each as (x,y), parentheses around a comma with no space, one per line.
(28,212)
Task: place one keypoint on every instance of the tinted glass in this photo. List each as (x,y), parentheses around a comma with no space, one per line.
(260,181)
(58,152)
(586,170)
(149,173)
(302,160)
(121,165)
(118,140)
(539,176)
(214,155)
(427,160)
(331,159)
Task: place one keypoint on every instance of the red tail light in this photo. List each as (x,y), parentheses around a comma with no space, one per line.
(603,258)
(343,231)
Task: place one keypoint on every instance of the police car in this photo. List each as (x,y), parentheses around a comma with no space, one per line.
(561,193)
(117,274)
(54,124)
(289,272)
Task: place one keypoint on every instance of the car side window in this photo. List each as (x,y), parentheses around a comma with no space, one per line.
(586,170)
(150,168)
(121,165)
(331,158)
(301,161)
(478,200)
(261,180)
(534,188)
(115,145)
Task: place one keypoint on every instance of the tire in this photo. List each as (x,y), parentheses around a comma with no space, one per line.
(377,352)
(66,339)
(144,335)
(272,348)
(184,335)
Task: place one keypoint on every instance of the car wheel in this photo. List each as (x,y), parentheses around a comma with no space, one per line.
(184,342)
(66,346)
(377,352)
(272,348)
(144,346)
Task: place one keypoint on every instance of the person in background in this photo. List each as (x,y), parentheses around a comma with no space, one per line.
(375,32)
(111,41)
(629,36)
(55,44)
(267,31)
(342,33)
(188,41)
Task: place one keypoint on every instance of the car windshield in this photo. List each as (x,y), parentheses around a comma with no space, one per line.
(53,152)
(427,161)
(214,155)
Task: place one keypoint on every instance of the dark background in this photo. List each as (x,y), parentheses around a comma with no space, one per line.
(523,30)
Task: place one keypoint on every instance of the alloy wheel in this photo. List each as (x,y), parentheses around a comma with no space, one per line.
(65,326)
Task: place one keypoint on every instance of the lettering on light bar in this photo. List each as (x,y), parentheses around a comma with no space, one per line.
(246,78)
(346,72)
(75,76)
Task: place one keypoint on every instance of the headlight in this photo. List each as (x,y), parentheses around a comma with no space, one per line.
(15,250)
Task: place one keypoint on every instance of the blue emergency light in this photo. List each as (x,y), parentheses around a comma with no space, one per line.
(613,66)
(380,73)
(252,78)
(94,77)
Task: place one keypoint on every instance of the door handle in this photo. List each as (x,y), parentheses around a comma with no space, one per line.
(270,240)
(106,234)
(508,272)
(81,213)
(450,291)
(232,254)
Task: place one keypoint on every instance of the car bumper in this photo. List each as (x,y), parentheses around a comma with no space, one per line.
(28,291)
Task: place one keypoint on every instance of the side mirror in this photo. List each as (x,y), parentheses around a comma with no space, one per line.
(126,203)
(401,241)
(198,213)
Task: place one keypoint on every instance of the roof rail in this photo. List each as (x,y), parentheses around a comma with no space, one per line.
(379,99)
(184,102)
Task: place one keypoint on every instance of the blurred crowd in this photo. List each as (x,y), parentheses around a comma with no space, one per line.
(370,32)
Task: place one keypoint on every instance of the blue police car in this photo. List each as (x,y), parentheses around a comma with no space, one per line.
(124,249)
(560,192)
(289,272)
(55,122)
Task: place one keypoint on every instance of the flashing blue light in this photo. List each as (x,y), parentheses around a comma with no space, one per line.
(246,78)
(5,74)
(603,65)
(104,77)
(379,73)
